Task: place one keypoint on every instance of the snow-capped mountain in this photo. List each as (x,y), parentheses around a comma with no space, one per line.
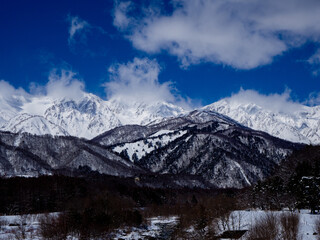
(301,125)
(85,117)
(88,116)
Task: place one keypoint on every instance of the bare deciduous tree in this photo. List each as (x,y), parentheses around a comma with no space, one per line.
(53,227)
(24,228)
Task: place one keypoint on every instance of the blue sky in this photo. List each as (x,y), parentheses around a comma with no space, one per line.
(197,50)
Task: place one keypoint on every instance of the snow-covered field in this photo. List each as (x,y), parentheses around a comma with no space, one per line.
(13,227)
(27,227)
(306,227)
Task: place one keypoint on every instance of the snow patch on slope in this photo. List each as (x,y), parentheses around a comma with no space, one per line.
(161,132)
(140,149)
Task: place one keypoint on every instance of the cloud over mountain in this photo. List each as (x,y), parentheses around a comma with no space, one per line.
(243,34)
(138,81)
(134,81)
(7,90)
(64,83)
(274,102)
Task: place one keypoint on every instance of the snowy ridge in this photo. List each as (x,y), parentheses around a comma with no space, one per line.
(301,126)
(89,116)
(33,124)
(85,117)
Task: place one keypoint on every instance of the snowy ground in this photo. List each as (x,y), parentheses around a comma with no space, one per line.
(306,228)
(12,227)
(27,227)
(247,219)
(19,227)
(157,227)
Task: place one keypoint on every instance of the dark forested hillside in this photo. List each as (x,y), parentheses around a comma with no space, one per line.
(296,184)
(202,143)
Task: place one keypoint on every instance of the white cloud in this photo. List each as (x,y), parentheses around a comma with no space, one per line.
(135,81)
(85,38)
(120,18)
(243,34)
(138,81)
(315,58)
(314,61)
(274,102)
(11,96)
(61,83)
(77,26)
(64,84)
(7,90)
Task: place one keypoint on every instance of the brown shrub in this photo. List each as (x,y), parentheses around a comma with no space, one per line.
(265,228)
(205,217)
(53,227)
(290,226)
(317,227)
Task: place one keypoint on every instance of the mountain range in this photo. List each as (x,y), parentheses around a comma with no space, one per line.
(226,144)
(85,117)
(202,149)
(88,116)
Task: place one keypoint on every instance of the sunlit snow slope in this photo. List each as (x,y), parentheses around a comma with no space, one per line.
(299,125)
(85,117)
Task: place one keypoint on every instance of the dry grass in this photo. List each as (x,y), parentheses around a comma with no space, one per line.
(290,226)
(317,227)
(266,228)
